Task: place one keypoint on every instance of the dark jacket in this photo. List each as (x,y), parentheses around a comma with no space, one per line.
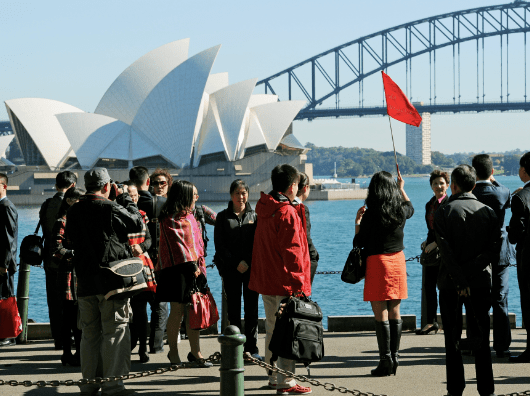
(93,223)
(469,238)
(519,229)
(234,238)
(498,198)
(9,235)
(431,235)
(47,215)
(152,205)
(375,240)
(313,253)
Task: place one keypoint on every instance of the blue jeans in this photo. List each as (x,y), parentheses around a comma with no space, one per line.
(502,334)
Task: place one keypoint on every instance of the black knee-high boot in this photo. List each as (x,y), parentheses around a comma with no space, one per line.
(396,327)
(385,367)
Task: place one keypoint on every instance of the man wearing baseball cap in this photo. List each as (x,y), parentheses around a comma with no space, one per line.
(94,222)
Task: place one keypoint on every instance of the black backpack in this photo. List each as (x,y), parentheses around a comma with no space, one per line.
(298,333)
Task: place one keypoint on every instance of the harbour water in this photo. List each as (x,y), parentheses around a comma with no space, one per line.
(332,232)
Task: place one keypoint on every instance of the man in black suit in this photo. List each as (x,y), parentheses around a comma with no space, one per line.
(8,246)
(496,196)
(47,215)
(152,204)
(519,234)
(469,237)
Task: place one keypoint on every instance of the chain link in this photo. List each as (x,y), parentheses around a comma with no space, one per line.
(417,258)
(328,385)
(302,378)
(215,358)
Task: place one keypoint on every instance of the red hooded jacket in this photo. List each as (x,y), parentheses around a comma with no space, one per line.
(280,258)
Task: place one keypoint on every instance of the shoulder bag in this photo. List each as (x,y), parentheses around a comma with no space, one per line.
(124,278)
(431,259)
(203,311)
(298,332)
(32,248)
(9,318)
(355,268)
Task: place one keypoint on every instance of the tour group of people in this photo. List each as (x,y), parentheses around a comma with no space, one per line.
(269,251)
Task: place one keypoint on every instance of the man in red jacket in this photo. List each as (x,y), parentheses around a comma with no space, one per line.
(280,261)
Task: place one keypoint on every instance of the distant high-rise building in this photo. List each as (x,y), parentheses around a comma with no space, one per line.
(419,140)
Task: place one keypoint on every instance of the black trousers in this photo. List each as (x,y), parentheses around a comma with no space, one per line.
(138,327)
(70,327)
(477,310)
(159,317)
(235,283)
(55,305)
(431,296)
(7,285)
(523,278)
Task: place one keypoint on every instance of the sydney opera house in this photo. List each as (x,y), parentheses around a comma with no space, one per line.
(165,110)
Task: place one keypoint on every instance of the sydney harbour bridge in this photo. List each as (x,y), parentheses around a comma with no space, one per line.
(465,61)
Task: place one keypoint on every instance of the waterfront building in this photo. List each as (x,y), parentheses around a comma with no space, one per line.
(419,140)
(164,110)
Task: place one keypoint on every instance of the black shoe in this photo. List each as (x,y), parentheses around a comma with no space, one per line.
(193,359)
(71,360)
(144,357)
(179,362)
(522,358)
(7,342)
(428,330)
(503,354)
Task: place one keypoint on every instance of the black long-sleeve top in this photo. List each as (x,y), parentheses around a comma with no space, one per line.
(234,238)
(376,240)
(430,209)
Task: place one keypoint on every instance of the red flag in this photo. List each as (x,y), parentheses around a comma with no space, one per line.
(397,104)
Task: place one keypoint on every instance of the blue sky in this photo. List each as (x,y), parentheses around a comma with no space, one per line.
(72,51)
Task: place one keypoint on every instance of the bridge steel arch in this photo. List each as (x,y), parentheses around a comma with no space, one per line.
(426,36)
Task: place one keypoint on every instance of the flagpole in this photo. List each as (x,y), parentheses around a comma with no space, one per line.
(393,145)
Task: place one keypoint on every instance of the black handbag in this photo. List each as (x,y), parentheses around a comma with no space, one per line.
(298,333)
(431,259)
(32,249)
(355,268)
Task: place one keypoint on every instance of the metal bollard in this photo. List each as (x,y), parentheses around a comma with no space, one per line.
(232,370)
(22,300)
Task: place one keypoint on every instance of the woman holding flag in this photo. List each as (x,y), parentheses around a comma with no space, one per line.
(379,230)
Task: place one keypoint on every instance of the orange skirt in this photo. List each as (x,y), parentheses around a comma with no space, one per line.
(386,277)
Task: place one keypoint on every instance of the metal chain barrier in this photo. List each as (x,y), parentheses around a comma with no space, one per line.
(417,258)
(302,378)
(215,358)
(328,385)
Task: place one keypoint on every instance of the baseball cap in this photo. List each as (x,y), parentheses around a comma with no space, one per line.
(96,177)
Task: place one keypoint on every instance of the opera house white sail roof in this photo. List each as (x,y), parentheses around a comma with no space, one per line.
(165,105)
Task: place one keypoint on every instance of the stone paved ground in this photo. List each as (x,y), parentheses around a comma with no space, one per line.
(349,359)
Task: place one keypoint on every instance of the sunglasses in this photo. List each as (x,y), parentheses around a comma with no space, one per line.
(159,183)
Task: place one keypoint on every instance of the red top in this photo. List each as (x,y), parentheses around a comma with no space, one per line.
(180,242)
(280,258)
